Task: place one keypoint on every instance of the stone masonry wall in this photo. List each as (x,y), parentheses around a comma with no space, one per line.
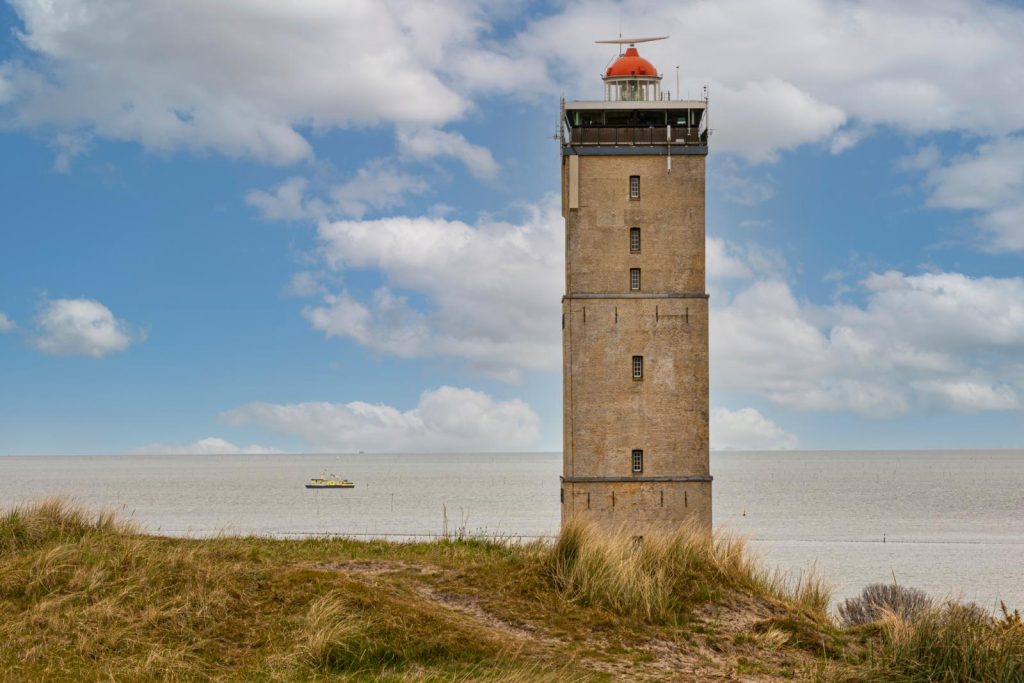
(607,413)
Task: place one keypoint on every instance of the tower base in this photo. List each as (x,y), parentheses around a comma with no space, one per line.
(653,505)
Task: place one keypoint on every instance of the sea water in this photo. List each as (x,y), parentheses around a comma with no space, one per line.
(949,522)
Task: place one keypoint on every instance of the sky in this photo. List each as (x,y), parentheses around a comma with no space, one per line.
(259,226)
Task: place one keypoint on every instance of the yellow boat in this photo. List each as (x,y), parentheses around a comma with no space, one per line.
(333,482)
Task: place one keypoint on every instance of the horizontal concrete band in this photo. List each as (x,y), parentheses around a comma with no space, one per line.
(640,295)
(634,150)
(623,480)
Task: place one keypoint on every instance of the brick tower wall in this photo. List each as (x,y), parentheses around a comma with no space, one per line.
(608,413)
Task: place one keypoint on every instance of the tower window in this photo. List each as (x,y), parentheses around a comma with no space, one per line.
(634,187)
(634,240)
(638,367)
(638,460)
(634,278)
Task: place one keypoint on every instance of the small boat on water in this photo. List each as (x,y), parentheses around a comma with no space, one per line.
(332,482)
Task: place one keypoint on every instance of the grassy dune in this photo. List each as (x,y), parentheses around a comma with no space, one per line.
(84,596)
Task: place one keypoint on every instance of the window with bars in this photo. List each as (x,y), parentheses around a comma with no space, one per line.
(634,187)
(634,279)
(638,367)
(638,460)
(634,240)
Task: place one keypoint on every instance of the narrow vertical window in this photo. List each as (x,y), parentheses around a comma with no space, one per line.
(634,279)
(638,460)
(634,240)
(634,187)
(638,367)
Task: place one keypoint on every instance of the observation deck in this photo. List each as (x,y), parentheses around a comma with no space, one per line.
(659,127)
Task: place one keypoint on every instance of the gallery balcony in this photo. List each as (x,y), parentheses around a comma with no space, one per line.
(618,136)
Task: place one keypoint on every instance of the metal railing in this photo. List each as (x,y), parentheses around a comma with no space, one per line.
(630,135)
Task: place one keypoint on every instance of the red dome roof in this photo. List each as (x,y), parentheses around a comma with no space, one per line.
(631,64)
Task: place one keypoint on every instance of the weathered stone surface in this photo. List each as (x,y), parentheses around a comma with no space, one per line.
(608,413)
(669,213)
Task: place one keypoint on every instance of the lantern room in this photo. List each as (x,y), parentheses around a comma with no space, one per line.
(631,78)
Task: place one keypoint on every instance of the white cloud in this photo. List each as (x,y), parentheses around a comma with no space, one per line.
(848,137)
(68,147)
(241,78)
(388,326)
(248,78)
(925,158)
(990,182)
(286,202)
(932,341)
(491,289)
(211,445)
(949,312)
(427,143)
(6,324)
(748,430)
(965,396)
(757,119)
(723,261)
(376,186)
(731,261)
(81,327)
(446,419)
(763,342)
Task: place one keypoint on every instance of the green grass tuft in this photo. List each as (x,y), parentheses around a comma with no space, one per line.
(52,520)
(664,576)
(353,630)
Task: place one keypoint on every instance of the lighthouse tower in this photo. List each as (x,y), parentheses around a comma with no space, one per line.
(635,310)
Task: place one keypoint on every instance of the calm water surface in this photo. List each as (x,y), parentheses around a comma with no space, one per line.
(950,522)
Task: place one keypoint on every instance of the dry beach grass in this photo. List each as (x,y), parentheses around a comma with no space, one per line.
(84,596)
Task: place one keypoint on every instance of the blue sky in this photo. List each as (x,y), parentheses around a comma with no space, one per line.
(330,226)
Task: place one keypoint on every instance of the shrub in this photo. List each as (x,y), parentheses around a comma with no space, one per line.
(879,599)
(957,642)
